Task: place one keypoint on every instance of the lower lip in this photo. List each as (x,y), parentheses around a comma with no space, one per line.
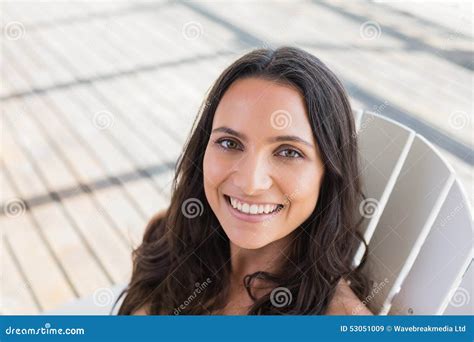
(250,218)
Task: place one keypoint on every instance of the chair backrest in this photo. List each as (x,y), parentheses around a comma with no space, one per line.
(418,224)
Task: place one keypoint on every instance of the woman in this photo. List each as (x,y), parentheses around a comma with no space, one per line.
(263,216)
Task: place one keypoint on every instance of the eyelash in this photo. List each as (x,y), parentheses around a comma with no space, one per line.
(220,141)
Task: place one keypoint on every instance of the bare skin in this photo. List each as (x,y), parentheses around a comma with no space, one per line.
(344,302)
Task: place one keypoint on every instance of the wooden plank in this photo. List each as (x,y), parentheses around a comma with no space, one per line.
(7,192)
(124,215)
(15,294)
(57,175)
(83,65)
(195,32)
(16,11)
(5,85)
(138,150)
(177,118)
(59,233)
(94,226)
(113,200)
(98,7)
(39,75)
(87,168)
(147,128)
(79,259)
(28,182)
(40,13)
(151,130)
(77,160)
(113,157)
(15,82)
(160,35)
(95,40)
(112,37)
(84,120)
(97,228)
(50,69)
(42,271)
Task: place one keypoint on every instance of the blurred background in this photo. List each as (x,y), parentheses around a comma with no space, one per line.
(98,97)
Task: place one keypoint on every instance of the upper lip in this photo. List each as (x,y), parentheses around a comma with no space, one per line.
(250,202)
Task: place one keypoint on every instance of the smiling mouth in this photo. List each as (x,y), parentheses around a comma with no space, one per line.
(254,210)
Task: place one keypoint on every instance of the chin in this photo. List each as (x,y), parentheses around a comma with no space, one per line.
(248,242)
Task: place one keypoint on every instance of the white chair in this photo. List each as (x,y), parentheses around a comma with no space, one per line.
(418,223)
(418,227)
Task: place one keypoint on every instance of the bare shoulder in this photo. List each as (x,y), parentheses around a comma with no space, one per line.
(345,302)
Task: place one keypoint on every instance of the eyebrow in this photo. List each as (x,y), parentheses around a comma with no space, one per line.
(279,138)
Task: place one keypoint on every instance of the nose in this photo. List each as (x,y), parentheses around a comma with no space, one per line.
(252,174)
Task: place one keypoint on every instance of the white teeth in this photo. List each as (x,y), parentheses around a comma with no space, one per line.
(252,209)
(267,208)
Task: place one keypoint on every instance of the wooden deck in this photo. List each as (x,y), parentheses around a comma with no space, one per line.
(97,99)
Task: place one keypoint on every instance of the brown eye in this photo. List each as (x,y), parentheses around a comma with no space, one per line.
(228,144)
(290,153)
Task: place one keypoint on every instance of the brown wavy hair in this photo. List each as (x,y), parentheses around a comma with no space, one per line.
(179,252)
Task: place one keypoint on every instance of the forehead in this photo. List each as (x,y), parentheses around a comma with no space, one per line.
(263,108)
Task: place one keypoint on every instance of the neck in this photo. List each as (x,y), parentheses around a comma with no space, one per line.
(247,261)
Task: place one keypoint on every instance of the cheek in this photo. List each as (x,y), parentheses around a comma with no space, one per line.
(213,168)
(215,171)
(302,187)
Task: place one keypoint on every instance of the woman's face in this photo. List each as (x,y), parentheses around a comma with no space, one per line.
(262,169)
